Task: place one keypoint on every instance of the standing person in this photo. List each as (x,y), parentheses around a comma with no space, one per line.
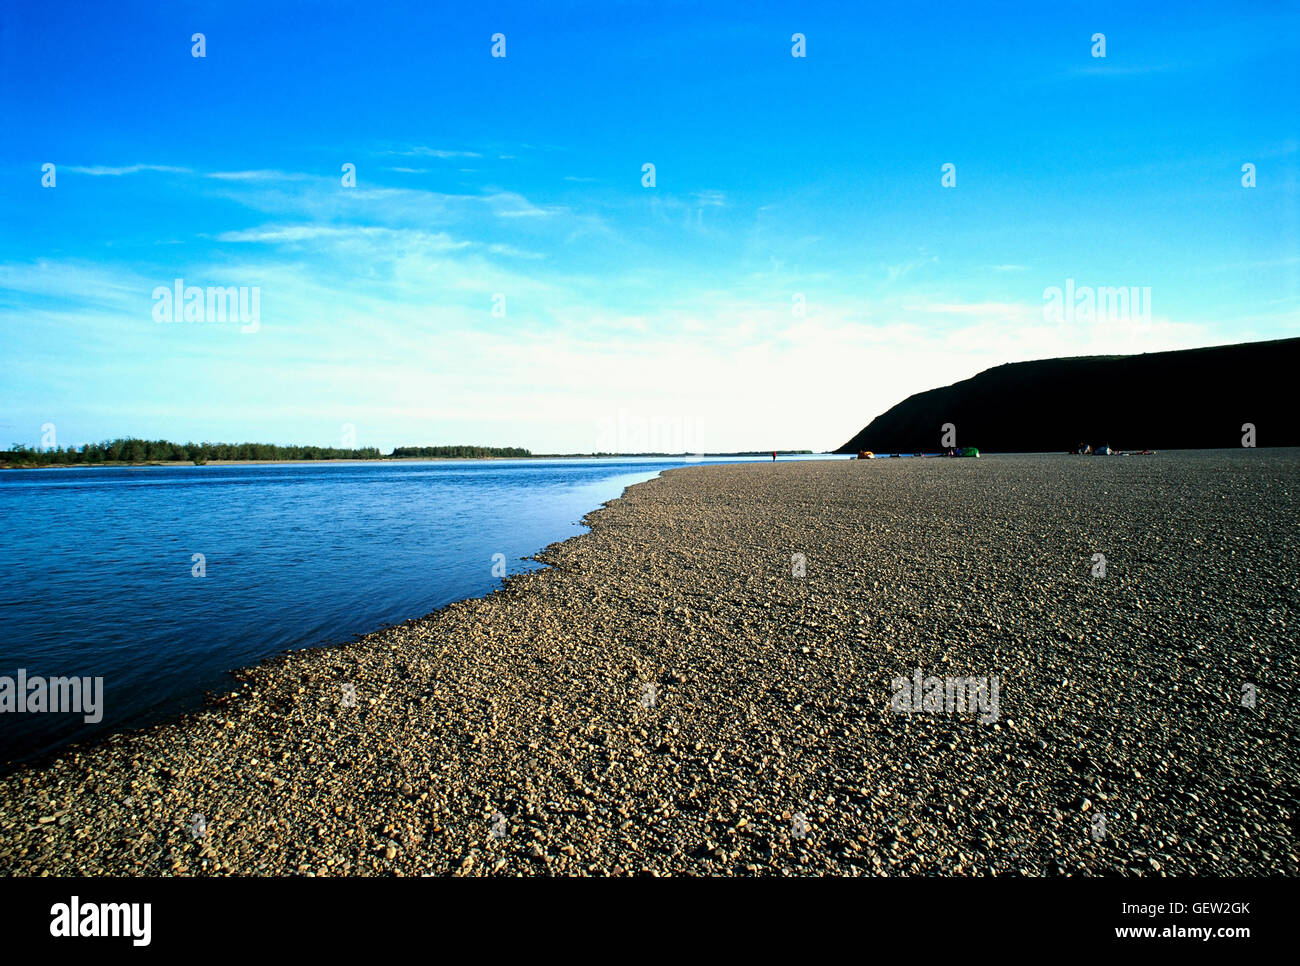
(773,456)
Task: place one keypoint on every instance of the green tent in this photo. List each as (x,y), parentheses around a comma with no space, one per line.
(970,451)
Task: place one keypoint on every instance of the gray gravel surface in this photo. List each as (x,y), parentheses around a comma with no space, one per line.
(670,698)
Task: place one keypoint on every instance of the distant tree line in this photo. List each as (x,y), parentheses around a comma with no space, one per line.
(131,450)
(459,452)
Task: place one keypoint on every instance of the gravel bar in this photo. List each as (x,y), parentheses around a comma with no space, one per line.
(672,697)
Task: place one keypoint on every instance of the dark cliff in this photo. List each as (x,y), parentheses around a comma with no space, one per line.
(1189,399)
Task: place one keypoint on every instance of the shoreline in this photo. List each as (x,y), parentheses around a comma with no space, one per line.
(771,697)
(747,457)
(185,464)
(175,464)
(40,760)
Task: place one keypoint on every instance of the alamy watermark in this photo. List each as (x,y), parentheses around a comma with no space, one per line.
(75,919)
(57,695)
(946,695)
(629,432)
(1109,303)
(190,303)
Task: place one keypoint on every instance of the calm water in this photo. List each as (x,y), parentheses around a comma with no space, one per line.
(96,566)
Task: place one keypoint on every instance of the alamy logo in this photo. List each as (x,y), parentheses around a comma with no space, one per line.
(1248,694)
(1098,830)
(190,303)
(631,432)
(24,695)
(1087,304)
(935,695)
(72,920)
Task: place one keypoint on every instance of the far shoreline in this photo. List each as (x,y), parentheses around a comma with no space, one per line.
(174,464)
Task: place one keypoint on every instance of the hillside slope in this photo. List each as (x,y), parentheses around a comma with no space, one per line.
(1189,399)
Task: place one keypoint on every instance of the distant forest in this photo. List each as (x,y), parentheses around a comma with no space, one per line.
(165,451)
(464,452)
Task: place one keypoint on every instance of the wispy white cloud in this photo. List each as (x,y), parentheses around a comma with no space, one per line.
(258,175)
(901,270)
(101,171)
(513,252)
(509,204)
(424,152)
(292,234)
(1005,311)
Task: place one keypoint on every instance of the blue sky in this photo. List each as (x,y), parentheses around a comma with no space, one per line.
(634,317)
